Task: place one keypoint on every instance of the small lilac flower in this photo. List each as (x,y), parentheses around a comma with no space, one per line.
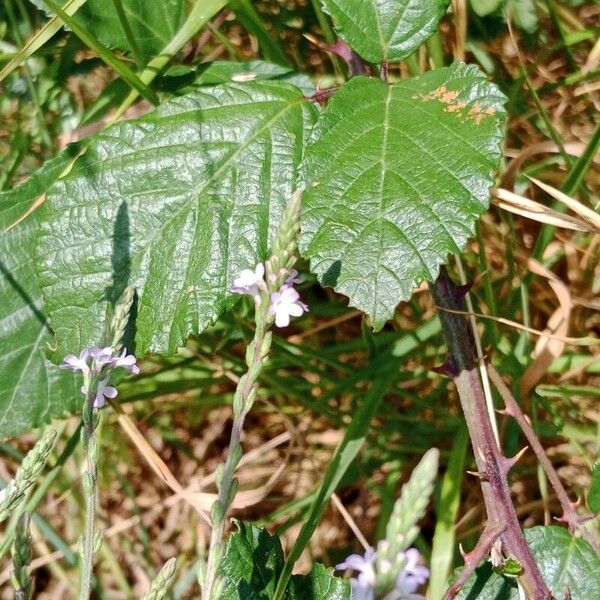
(96,363)
(411,578)
(103,392)
(286,303)
(250,282)
(363,586)
(101,357)
(126,361)
(77,363)
(292,278)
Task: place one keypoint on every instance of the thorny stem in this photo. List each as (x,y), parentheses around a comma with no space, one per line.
(512,408)
(473,559)
(90,492)
(492,465)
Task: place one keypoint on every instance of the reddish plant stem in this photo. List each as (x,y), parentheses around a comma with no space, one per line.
(512,408)
(492,465)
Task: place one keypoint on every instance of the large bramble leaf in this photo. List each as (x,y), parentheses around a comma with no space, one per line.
(32,390)
(396,176)
(564,561)
(176,204)
(252,565)
(152,23)
(385,30)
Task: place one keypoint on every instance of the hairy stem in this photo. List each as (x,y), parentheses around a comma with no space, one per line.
(492,465)
(90,478)
(243,399)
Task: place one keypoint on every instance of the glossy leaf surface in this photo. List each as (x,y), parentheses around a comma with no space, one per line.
(396,177)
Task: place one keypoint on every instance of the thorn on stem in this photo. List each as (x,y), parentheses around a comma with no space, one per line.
(448,368)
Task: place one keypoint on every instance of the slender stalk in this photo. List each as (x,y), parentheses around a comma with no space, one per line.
(277,270)
(242,402)
(502,526)
(133,45)
(90,478)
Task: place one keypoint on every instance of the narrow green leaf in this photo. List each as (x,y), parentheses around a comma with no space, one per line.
(36,41)
(32,390)
(396,177)
(270,47)
(200,15)
(344,454)
(565,563)
(175,204)
(444,539)
(385,30)
(104,53)
(594,493)
(151,24)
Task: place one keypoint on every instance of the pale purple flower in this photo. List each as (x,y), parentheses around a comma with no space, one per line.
(96,363)
(363,586)
(126,361)
(292,278)
(77,363)
(103,392)
(250,282)
(101,357)
(370,570)
(286,303)
(410,579)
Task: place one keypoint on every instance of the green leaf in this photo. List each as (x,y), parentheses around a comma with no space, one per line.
(485,7)
(32,390)
(152,24)
(319,584)
(444,537)
(175,204)
(524,13)
(594,493)
(385,30)
(396,177)
(225,71)
(564,561)
(253,561)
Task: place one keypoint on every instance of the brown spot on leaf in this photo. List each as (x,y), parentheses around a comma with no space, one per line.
(449,98)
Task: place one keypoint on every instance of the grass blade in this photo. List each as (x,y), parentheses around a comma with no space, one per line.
(203,11)
(252,23)
(105,54)
(40,38)
(344,455)
(442,553)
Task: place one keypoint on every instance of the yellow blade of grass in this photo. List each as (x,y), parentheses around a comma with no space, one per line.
(156,463)
(520,205)
(40,38)
(577,207)
(548,349)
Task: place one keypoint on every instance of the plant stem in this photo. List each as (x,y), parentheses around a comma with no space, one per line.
(569,508)
(242,402)
(502,522)
(90,491)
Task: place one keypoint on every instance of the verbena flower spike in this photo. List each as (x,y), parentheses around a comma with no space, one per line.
(270,286)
